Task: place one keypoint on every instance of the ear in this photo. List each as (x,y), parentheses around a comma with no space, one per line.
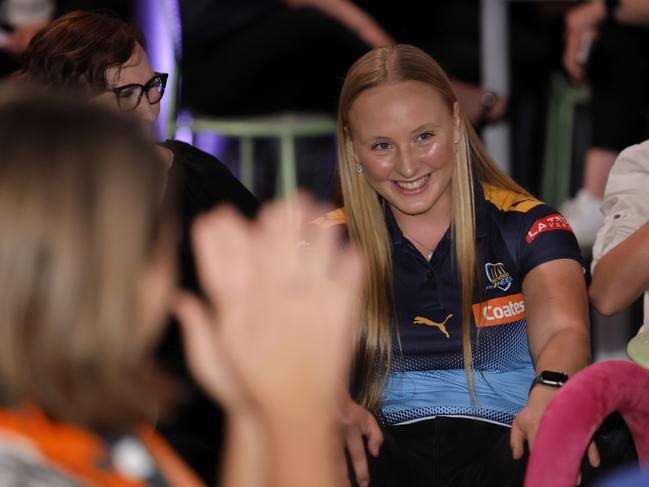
(457,122)
(350,142)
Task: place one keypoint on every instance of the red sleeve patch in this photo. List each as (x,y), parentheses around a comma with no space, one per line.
(547,224)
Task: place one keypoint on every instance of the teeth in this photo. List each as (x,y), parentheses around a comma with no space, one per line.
(413,184)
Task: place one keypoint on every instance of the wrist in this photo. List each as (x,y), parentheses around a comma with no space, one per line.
(548,379)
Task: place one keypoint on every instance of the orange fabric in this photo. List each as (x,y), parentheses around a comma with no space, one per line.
(172,467)
(77,451)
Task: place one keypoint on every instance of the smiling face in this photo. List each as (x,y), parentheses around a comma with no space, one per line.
(403,135)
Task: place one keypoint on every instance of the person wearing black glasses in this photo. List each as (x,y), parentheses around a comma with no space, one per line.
(105,57)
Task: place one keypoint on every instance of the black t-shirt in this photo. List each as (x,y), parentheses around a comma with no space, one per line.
(200,182)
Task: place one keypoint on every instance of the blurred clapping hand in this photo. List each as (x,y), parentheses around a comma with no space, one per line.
(274,336)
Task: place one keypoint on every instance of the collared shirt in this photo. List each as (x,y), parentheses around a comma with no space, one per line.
(514,234)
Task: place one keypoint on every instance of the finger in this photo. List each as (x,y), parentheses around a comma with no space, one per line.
(516,441)
(221,241)
(530,433)
(374,435)
(593,455)
(342,469)
(356,449)
(194,318)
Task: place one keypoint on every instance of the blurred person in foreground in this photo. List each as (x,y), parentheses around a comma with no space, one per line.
(84,311)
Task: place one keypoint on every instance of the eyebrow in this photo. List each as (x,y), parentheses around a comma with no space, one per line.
(429,126)
(425,126)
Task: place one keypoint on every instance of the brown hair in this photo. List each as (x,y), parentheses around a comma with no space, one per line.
(365,218)
(77,49)
(80,215)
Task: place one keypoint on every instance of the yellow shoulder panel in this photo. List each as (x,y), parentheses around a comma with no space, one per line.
(508,200)
(334,217)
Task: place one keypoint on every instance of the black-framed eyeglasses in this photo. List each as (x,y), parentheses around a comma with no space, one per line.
(130,96)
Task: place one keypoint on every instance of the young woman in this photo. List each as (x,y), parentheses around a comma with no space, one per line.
(88,260)
(475,303)
(105,57)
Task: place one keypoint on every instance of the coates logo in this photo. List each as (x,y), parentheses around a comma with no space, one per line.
(499,311)
(547,224)
(498,276)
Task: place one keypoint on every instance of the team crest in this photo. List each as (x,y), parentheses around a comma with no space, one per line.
(497,276)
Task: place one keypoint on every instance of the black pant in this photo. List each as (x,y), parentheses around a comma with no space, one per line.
(458,452)
(291,59)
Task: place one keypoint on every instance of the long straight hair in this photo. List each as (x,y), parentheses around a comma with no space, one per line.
(366,223)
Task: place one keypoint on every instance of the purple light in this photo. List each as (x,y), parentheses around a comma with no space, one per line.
(150,16)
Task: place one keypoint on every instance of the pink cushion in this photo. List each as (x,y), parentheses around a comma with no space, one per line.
(577,411)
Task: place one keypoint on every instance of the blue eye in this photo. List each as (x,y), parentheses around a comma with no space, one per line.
(381,146)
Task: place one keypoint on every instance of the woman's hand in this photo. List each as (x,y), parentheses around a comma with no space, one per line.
(526,424)
(581,31)
(527,421)
(278,325)
(357,422)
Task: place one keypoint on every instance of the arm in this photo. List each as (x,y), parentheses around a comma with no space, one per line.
(351,16)
(622,274)
(619,265)
(558,334)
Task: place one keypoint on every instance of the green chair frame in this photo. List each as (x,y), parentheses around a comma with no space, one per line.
(557,166)
(286,127)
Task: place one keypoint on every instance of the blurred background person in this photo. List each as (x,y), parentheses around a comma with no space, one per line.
(606,46)
(20,20)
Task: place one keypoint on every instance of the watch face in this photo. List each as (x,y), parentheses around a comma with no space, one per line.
(549,377)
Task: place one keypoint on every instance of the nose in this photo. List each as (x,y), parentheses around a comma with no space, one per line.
(407,163)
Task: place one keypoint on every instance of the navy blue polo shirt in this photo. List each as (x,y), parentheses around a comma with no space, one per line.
(514,234)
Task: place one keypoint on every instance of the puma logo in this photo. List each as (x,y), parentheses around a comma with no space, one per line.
(420,320)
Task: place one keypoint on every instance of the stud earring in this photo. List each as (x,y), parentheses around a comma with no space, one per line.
(359,168)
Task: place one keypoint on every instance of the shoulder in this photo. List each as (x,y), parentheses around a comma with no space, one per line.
(533,231)
(21,465)
(630,171)
(507,200)
(202,181)
(521,214)
(187,154)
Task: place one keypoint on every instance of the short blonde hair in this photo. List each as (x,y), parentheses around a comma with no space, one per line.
(80,212)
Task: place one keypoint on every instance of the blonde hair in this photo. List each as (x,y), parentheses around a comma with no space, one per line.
(80,215)
(366,222)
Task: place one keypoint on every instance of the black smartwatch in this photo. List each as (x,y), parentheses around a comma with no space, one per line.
(549,378)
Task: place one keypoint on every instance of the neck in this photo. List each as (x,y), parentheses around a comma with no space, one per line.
(425,230)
